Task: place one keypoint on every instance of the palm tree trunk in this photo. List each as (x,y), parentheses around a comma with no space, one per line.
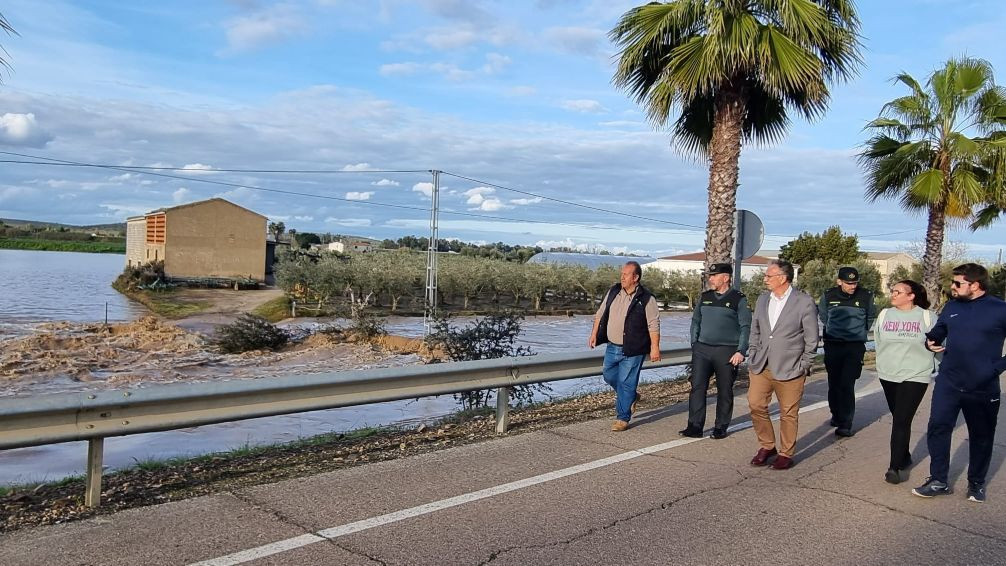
(724,158)
(933,257)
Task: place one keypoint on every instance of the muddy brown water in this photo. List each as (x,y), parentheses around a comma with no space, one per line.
(53,462)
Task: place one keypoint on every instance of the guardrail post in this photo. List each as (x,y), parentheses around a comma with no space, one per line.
(95,453)
(502,409)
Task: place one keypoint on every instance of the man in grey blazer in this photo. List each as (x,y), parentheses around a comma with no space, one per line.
(784,338)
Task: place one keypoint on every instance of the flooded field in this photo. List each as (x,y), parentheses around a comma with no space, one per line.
(77,357)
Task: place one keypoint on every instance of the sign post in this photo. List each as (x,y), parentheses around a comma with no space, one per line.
(749,234)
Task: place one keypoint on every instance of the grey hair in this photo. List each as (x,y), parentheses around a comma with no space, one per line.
(785,267)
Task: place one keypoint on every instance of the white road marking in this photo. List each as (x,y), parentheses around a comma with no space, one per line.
(427,508)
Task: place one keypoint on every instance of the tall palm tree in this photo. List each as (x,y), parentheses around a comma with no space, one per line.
(5,26)
(733,69)
(939,151)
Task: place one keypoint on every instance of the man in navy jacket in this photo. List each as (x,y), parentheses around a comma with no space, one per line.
(970,331)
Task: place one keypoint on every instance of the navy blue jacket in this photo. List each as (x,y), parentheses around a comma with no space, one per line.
(973,333)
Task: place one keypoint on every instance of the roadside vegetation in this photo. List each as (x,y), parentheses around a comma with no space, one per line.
(487,338)
(60,246)
(145,284)
(393,282)
(60,238)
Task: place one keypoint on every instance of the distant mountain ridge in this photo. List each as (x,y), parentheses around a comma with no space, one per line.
(121,226)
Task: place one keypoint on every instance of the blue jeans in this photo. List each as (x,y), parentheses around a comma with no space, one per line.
(622,374)
(981,410)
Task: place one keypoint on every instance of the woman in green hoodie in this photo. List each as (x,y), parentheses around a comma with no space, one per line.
(904,365)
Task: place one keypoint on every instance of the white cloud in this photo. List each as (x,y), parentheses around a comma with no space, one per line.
(525,201)
(181,195)
(477,196)
(451,39)
(386,183)
(197,168)
(355,195)
(425,188)
(495,63)
(271,25)
(303,218)
(452,72)
(576,40)
(22,130)
(481,198)
(401,69)
(348,221)
(583,105)
(622,124)
(522,91)
(124,210)
(358,167)
(491,204)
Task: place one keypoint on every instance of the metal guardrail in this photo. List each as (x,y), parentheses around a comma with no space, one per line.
(50,419)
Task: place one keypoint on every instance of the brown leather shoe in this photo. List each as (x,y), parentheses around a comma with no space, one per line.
(619,426)
(782,463)
(632,407)
(761,458)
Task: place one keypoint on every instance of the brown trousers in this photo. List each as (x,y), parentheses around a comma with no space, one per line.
(789,393)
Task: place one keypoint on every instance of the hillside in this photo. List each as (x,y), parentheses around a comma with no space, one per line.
(38,224)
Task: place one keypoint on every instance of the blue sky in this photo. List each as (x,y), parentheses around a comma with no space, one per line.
(515,94)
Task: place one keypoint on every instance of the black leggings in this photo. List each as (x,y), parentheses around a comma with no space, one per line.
(903,400)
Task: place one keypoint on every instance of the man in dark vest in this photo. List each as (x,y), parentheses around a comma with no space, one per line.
(721,323)
(629,322)
(847,314)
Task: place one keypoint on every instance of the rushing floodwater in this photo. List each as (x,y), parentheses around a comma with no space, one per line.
(69,286)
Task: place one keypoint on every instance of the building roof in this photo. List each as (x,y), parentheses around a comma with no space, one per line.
(201,202)
(592,261)
(886,255)
(701,256)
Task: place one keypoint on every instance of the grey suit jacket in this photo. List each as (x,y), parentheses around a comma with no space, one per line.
(788,349)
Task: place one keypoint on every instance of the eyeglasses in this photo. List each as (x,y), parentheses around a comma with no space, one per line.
(898,292)
(960,284)
(767,276)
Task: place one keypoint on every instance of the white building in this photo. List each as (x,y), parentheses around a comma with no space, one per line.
(887,262)
(356,246)
(696,262)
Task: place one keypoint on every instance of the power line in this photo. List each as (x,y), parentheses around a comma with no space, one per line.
(60,162)
(129,169)
(156,171)
(570,203)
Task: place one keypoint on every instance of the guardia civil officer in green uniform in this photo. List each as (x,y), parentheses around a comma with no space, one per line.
(721,324)
(847,312)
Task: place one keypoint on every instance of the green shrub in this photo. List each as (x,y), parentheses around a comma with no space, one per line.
(133,278)
(490,337)
(366,324)
(249,332)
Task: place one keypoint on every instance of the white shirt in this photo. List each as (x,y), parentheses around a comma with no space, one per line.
(775,306)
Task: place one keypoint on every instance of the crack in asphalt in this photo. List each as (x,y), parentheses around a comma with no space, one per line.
(565,542)
(374,559)
(908,514)
(255,504)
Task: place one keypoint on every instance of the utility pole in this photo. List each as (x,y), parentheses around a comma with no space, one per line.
(430,309)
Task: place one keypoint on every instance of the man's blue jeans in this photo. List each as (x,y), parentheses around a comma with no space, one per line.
(622,374)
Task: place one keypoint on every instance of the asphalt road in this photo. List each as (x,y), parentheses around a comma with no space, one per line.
(576,495)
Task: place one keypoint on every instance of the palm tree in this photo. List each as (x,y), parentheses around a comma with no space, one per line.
(5,26)
(733,68)
(939,150)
